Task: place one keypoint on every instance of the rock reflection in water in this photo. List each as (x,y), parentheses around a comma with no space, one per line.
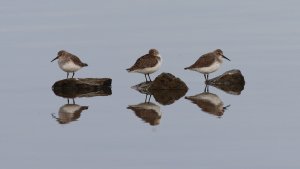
(87,87)
(168,97)
(164,97)
(68,113)
(231,82)
(209,102)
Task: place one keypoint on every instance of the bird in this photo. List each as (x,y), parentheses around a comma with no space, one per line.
(69,112)
(148,111)
(69,62)
(209,102)
(147,64)
(208,63)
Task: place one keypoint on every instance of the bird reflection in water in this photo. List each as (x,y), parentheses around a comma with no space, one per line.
(147,111)
(69,112)
(209,102)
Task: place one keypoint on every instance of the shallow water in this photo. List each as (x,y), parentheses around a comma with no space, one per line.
(258,130)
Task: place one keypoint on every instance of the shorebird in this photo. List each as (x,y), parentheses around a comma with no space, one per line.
(69,62)
(208,63)
(208,102)
(147,64)
(69,112)
(149,112)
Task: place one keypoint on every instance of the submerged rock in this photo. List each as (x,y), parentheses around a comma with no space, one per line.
(168,97)
(232,82)
(166,88)
(87,87)
(167,81)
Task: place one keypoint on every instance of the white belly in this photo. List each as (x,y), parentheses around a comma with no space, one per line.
(148,106)
(69,108)
(150,69)
(212,68)
(69,66)
(209,97)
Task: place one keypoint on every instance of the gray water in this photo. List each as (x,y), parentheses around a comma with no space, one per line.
(260,129)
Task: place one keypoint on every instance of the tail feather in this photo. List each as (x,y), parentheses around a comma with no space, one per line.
(84,107)
(84,64)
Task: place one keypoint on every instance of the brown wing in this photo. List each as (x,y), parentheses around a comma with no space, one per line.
(148,115)
(204,61)
(207,106)
(144,62)
(141,112)
(76,60)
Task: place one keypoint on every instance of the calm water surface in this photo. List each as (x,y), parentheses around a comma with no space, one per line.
(260,129)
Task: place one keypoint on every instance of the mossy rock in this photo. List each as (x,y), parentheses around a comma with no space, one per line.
(166,88)
(232,82)
(85,87)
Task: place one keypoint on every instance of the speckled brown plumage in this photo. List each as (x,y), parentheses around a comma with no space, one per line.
(148,60)
(208,63)
(148,115)
(204,60)
(207,106)
(70,56)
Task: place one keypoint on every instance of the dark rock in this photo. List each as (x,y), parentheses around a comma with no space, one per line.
(232,82)
(87,87)
(168,97)
(167,81)
(166,88)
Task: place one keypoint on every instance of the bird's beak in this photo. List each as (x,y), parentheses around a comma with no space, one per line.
(225,57)
(54,59)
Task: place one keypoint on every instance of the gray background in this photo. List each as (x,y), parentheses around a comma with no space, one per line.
(259,129)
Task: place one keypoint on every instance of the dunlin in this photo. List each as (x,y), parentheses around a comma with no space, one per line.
(209,103)
(69,112)
(69,62)
(149,112)
(208,63)
(147,64)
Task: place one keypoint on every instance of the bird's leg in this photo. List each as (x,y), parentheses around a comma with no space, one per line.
(146,78)
(206,77)
(225,108)
(146,98)
(67,75)
(73,74)
(206,89)
(149,98)
(149,77)
(68,101)
(73,101)
(53,116)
